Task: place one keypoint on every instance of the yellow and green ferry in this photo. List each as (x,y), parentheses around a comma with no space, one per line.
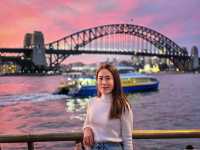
(131,82)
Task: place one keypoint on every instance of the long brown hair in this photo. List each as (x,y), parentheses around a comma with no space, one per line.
(119,100)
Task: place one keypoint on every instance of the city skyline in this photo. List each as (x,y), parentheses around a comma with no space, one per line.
(178,20)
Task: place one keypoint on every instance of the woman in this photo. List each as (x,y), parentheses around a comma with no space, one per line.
(109,120)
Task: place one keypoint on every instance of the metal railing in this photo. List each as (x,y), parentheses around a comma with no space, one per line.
(77,136)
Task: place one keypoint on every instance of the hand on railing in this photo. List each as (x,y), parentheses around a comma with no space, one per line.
(88,137)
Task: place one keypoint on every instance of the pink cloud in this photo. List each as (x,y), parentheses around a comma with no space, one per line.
(173,30)
(51,18)
(147,21)
(18,19)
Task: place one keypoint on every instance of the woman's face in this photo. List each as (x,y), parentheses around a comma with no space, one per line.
(105,81)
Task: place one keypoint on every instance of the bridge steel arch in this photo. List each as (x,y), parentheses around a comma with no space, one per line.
(173,51)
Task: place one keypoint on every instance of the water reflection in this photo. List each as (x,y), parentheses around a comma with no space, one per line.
(79,104)
(76,104)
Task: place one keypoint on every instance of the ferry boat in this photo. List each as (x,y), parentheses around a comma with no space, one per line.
(131,82)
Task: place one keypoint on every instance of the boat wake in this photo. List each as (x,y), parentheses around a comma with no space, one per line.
(36,97)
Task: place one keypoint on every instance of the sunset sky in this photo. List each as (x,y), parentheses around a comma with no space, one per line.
(178,19)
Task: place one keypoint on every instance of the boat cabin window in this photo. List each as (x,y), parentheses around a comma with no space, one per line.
(123,71)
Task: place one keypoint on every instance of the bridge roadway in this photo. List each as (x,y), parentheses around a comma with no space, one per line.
(78,52)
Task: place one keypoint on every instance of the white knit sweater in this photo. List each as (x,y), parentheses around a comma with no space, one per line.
(104,129)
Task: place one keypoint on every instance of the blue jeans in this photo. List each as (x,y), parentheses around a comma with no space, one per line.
(107,146)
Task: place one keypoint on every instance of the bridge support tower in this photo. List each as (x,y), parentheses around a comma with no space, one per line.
(195,58)
(36,62)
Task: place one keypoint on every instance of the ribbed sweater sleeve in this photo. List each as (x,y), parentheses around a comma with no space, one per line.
(87,122)
(127,128)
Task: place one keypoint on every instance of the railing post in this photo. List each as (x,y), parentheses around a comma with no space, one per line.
(30,146)
(79,145)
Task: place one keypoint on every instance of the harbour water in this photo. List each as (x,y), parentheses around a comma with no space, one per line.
(27,106)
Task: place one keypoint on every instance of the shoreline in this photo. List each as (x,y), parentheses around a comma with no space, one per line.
(56,74)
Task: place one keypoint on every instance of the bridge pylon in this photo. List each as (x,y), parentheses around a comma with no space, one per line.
(37,58)
(195,58)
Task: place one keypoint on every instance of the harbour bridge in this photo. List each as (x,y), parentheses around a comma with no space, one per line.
(114,39)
